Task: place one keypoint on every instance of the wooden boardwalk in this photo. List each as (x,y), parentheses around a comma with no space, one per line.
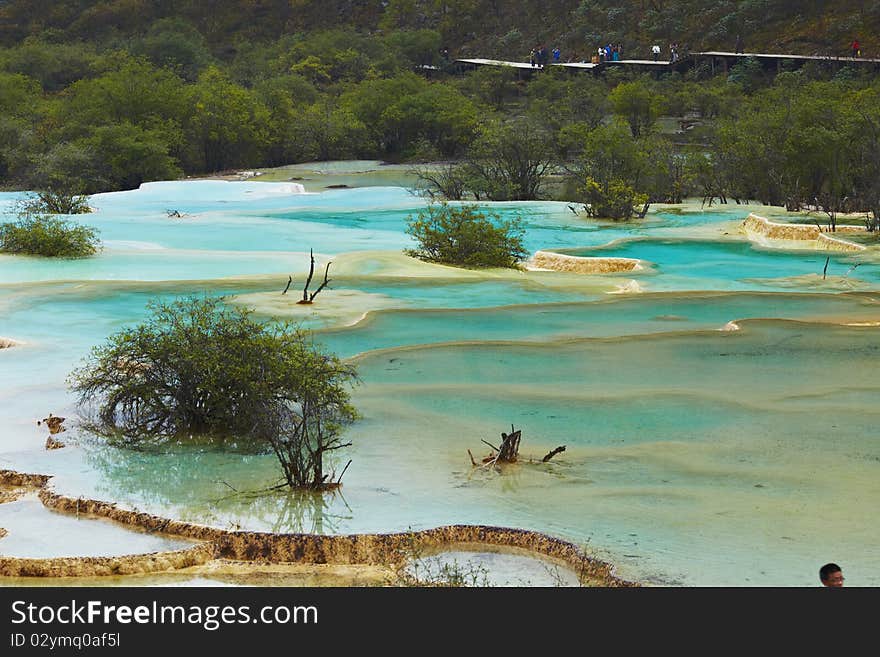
(714,57)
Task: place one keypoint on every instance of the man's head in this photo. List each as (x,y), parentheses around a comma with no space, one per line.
(831,575)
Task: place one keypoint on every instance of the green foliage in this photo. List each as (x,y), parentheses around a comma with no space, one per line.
(794,145)
(126,155)
(53,65)
(445,181)
(401,111)
(556,100)
(56,201)
(638,104)
(511,161)
(18,94)
(103,94)
(610,152)
(133,92)
(748,74)
(176,45)
(494,86)
(466,237)
(228,125)
(48,236)
(614,200)
(617,172)
(324,132)
(415,47)
(196,369)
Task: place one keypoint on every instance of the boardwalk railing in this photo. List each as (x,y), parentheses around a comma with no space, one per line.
(722,58)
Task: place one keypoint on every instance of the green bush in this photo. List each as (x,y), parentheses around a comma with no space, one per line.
(48,236)
(55,201)
(465,237)
(617,200)
(197,370)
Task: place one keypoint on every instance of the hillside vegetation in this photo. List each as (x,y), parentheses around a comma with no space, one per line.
(98,96)
(476,27)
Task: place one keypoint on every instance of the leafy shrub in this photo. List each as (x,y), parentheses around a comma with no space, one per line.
(465,237)
(617,200)
(196,369)
(54,201)
(48,236)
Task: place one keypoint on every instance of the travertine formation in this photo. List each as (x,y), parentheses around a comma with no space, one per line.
(370,549)
(766,232)
(581,265)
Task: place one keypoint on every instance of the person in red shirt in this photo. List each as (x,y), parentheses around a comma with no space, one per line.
(856,48)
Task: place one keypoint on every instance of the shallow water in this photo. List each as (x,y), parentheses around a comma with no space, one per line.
(34,531)
(694,455)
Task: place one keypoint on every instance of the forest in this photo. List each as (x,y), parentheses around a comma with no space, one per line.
(99,96)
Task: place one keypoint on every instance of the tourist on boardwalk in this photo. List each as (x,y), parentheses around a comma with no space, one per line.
(739,43)
(532,56)
(856,48)
(556,54)
(831,576)
(601,53)
(656,50)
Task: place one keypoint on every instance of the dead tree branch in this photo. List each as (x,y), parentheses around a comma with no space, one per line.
(323,285)
(305,298)
(553,453)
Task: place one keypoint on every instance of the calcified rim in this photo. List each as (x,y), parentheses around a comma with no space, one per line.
(801,233)
(265,547)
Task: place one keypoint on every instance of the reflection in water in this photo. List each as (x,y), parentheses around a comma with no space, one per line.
(214,486)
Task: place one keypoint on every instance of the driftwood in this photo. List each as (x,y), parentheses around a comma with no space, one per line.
(55,427)
(509,445)
(289,281)
(553,453)
(52,443)
(508,451)
(54,423)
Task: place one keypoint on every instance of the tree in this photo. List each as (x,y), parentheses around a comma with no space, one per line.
(494,86)
(466,237)
(133,92)
(867,149)
(198,370)
(174,44)
(637,104)
(445,181)
(40,235)
(226,126)
(555,100)
(510,162)
(324,133)
(55,201)
(127,155)
(404,110)
(613,172)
